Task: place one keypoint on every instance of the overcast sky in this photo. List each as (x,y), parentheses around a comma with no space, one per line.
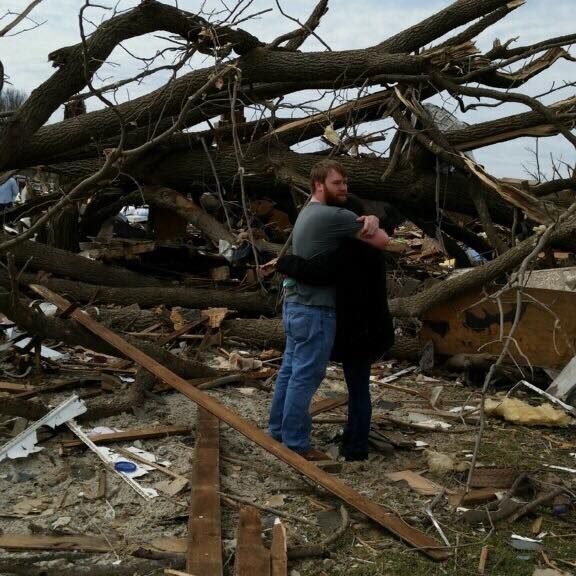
(348,24)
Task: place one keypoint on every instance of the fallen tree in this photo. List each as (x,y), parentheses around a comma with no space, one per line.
(156,149)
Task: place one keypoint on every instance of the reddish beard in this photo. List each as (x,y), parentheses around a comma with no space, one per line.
(334,199)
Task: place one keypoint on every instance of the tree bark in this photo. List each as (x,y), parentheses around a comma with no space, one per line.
(245,302)
(269,333)
(67,331)
(74,66)
(35,256)
(455,15)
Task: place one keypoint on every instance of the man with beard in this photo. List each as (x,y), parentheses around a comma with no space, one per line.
(364,327)
(309,310)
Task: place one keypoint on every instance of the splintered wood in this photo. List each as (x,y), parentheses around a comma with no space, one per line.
(360,502)
(278,551)
(204,555)
(252,558)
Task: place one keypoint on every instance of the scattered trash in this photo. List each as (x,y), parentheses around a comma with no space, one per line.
(110,459)
(494,477)
(564,384)
(442,464)
(125,467)
(570,409)
(238,362)
(276,501)
(561,468)
(61,522)
(525,544)
(549,572)
(172,487)
(520,412)
(429,512)
(25,443)
(424,421)
(418,483)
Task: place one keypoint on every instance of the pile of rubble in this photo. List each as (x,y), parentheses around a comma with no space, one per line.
(108,469)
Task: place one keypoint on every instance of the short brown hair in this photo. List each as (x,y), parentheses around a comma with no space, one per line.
(320,171)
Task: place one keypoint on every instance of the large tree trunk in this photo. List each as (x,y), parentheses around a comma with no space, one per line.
(67,331)
(148,297)
(269,333)
(63,230)
(40,257)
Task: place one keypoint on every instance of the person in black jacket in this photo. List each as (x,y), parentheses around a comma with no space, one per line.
(364,328)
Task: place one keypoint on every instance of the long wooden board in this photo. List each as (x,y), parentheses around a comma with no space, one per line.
(129,435)
(83,543)
(252,558)
(204,555)
(395,524)
(13,388)
(41,542)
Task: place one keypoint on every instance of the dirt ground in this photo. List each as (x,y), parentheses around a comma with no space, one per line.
(51,493)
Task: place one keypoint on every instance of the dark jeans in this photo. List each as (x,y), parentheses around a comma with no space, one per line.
(7,206)
(357,374)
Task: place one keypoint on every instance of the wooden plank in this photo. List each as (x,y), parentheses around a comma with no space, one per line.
(181,331)
(473,497)
(129,435)
(327,404)
(390,521)
(279,551)
(12,388)
(31,392)
(83,543)
(252,558)
(204,555)
(41,542)
(461,325)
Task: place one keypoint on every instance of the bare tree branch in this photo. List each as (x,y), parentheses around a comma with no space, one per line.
(19,18)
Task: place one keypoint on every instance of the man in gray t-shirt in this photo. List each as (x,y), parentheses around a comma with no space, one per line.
(309,311)
(319,230)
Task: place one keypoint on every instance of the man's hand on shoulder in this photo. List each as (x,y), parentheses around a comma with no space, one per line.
(370,225)
(371,232)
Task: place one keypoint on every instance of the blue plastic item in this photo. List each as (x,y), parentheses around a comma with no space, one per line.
(124,466)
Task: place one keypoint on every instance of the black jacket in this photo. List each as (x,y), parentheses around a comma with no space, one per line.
(364,327)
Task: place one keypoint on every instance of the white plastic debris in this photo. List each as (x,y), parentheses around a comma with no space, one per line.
(99,430)
(570,409)
(561,468)
(461,409)
(102,453)
(25,443)
(524,543)
(226,249)
(426,422)
(45,352)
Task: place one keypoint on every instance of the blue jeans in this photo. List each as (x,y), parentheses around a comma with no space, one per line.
(310,332)
(357,429)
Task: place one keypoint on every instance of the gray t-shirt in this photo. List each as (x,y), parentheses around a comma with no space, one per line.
(319,229)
